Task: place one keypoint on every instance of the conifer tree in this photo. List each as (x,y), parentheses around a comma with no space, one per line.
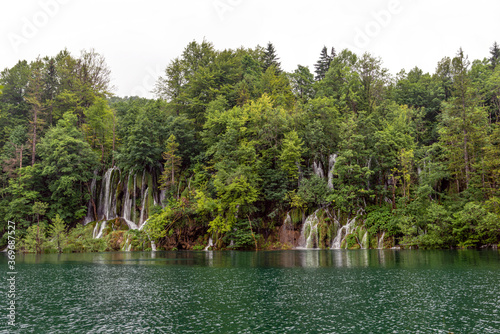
(172,163)
(323,63)
(35,100)
(495,55)
(270,58)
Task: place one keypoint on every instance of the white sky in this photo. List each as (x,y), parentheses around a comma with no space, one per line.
(139,38)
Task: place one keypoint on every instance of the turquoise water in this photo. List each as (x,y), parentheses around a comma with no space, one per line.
(306,291)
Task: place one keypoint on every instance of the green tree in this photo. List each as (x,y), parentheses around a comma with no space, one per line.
(463,124)
(270,59)
(34,98)
(172,163)
(302,83)
(291,154)
(67,166)
(57,232)
(495,55)
(39,209)
(323,64)
(99,128)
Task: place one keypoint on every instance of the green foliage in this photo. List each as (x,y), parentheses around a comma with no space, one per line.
(172,163)
(237,139)
(291,154)
(57,233)
(35,240)
(240,235)
(313,191)
(67,166)
(380,219)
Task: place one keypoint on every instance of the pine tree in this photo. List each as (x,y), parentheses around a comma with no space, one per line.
(463,124)
(270,58)
(172,163)
(495,55)
(35,100)
(323,63)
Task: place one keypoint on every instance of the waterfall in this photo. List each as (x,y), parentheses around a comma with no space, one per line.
(331,166)
(90,209)
(127,204)
(364,241)
(143,208)
(309,233)
(318,169)
(342,233)
(286,231)
(163,194)
(380,243)
(101,230)
(96,230)
(210,244)
(133,201)
(127,245)
(118,197)
(106,195)
(153,245)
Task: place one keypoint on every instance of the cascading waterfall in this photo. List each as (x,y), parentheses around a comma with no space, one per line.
(119,196)
(101,230)
(309,233)
(96,230)
(364,241)
(380,243)
(90,208)
(163,194)
(331,166)
(342,233)
(143,207)
(127,204)
(153,245)
(318,169)
(106,193)
(286,232)
(210,244)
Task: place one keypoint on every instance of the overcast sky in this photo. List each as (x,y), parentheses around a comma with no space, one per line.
(139,39)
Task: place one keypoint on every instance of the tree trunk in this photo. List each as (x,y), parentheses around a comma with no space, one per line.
(21,157)
(35,119)
(173,181)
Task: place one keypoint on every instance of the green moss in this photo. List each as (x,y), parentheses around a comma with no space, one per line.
(351,242)
(296,216)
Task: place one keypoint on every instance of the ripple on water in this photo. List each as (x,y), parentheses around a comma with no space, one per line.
(266,292)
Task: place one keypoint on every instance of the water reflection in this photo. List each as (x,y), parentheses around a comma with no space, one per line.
(278,259)
(295,291)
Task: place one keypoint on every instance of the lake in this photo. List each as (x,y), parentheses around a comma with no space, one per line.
(295,291)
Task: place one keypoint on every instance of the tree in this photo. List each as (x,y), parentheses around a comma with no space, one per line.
(495,55)
(17,141)
(291,154)
(99,129)
(67,165)
(39,209)
(143,140)
(302,83)
(57,232)
(172,163)
(270,58)
(463,124)
(34,98)
(323,64)
(173,84)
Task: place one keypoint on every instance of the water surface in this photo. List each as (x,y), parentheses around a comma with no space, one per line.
(306,291)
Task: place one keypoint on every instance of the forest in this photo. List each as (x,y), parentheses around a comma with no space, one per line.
(236,153)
